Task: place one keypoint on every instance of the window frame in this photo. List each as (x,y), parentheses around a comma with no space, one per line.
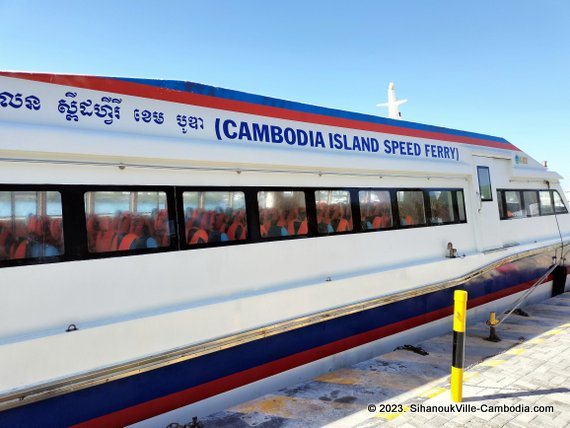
(251,235)
(393,208)
(488,171)
(552,192)
(182,223)
(309,197)
(118,188)
(501,194)
(34,188)
(350,205)
(526,204)
(75,224)
(454,206)
(426,206)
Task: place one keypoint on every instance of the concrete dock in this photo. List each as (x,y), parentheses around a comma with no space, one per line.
(522,381)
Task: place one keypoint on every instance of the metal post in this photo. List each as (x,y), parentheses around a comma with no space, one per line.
(492,323)
(459,320)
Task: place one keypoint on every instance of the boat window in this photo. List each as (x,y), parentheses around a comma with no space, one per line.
(30,225)
(514,204)
(484,177)
(375,209)
(282,213)
(411,207)
(441,203)
(214,217)
(123,220)
(546,202)
(531,203)
(559,206)
(334,213)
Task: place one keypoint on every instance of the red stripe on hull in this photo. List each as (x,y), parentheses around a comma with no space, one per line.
(192,395)
(164,94)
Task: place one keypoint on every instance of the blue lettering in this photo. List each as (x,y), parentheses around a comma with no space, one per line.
(244,131)
(395,145)
(337,141)
(387,147)
(356,144)
(225,128)
(345,143)
(375,145)
(302,137)
(276,134)
(319,140)
(217,127)
(290,137)
(260,132)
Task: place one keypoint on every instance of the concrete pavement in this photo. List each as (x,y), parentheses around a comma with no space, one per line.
(522,381)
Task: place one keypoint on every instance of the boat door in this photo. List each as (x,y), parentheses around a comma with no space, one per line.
(487,231)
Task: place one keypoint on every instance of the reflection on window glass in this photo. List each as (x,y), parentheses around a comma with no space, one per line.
(214,217)
(30,225)
(411,207)
(461,205)
(484,183)
(545,202)
(531,203)
(122,220)
(500,203)
(559,206)
(333,211)
(375,209)
(441,203)
(514,205)
(282,213)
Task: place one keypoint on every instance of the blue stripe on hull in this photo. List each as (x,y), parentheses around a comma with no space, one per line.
(90,403)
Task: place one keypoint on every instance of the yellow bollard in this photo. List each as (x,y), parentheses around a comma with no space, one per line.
(459,319)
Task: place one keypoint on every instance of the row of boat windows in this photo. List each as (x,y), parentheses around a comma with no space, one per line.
(529,203)
(31,222)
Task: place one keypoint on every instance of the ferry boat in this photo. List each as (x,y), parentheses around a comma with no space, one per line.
(168,249)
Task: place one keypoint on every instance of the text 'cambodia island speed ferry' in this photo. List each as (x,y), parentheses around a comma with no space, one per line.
(168,249)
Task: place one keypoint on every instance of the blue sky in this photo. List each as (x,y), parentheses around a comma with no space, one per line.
(495,67)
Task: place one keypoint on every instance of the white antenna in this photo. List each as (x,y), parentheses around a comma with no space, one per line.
(393,103)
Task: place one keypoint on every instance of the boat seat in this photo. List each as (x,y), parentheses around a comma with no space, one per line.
(20,250)
(197,236)
(127,242)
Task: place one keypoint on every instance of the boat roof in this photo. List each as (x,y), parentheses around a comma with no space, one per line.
(242,102)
